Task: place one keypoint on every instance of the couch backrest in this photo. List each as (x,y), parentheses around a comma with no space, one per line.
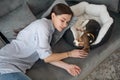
(7,6)
(38,7)
(112,5)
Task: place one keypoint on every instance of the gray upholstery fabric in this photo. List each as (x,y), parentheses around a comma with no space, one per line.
(112,5)
(9,5)
(38,7)
(119,5)
(19,18)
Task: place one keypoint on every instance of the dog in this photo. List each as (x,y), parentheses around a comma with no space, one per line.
(83,33)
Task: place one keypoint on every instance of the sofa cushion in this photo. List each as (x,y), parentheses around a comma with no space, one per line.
(38,7)
(18,18)
(9,5)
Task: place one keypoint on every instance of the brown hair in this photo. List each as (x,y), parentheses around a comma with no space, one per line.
(59,9)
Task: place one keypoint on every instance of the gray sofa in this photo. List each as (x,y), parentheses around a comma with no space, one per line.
(16,14)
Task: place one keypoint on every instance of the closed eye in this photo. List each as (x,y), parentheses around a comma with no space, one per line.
(62,21)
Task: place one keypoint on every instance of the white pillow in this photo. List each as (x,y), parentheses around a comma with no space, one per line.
(79,8)
(84,10)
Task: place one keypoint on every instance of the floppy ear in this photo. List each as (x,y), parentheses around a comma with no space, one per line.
(86,42)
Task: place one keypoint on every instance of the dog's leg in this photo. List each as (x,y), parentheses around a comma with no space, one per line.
(86,43)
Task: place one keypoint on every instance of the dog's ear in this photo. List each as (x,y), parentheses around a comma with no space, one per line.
(86,43)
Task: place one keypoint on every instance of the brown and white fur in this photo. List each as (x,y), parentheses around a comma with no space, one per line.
(84,36)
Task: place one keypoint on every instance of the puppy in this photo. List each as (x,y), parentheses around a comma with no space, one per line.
(85,33)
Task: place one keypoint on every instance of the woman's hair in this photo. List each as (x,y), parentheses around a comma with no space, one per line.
(59,9)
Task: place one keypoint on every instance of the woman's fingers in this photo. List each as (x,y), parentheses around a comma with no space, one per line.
(78,53)
(75,70)
(82,54)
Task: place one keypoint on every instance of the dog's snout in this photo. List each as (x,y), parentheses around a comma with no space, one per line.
(75,42)
(78,43)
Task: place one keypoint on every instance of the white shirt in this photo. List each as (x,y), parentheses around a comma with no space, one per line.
(32,43)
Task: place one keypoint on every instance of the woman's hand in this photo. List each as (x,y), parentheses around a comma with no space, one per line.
(73,70)
(77,53)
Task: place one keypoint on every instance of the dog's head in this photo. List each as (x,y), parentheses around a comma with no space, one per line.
(82,42)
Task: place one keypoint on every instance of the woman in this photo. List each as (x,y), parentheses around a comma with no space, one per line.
(33,42)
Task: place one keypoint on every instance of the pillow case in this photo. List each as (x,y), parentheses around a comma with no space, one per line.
(18,18)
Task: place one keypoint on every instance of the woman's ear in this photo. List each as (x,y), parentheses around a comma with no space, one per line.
(53,15)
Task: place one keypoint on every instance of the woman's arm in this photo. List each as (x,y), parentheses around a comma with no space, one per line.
(73,70)
(59,56)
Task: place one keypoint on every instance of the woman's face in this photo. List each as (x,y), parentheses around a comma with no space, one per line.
(60,21)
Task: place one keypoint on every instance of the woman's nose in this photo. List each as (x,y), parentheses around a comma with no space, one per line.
(64,24)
